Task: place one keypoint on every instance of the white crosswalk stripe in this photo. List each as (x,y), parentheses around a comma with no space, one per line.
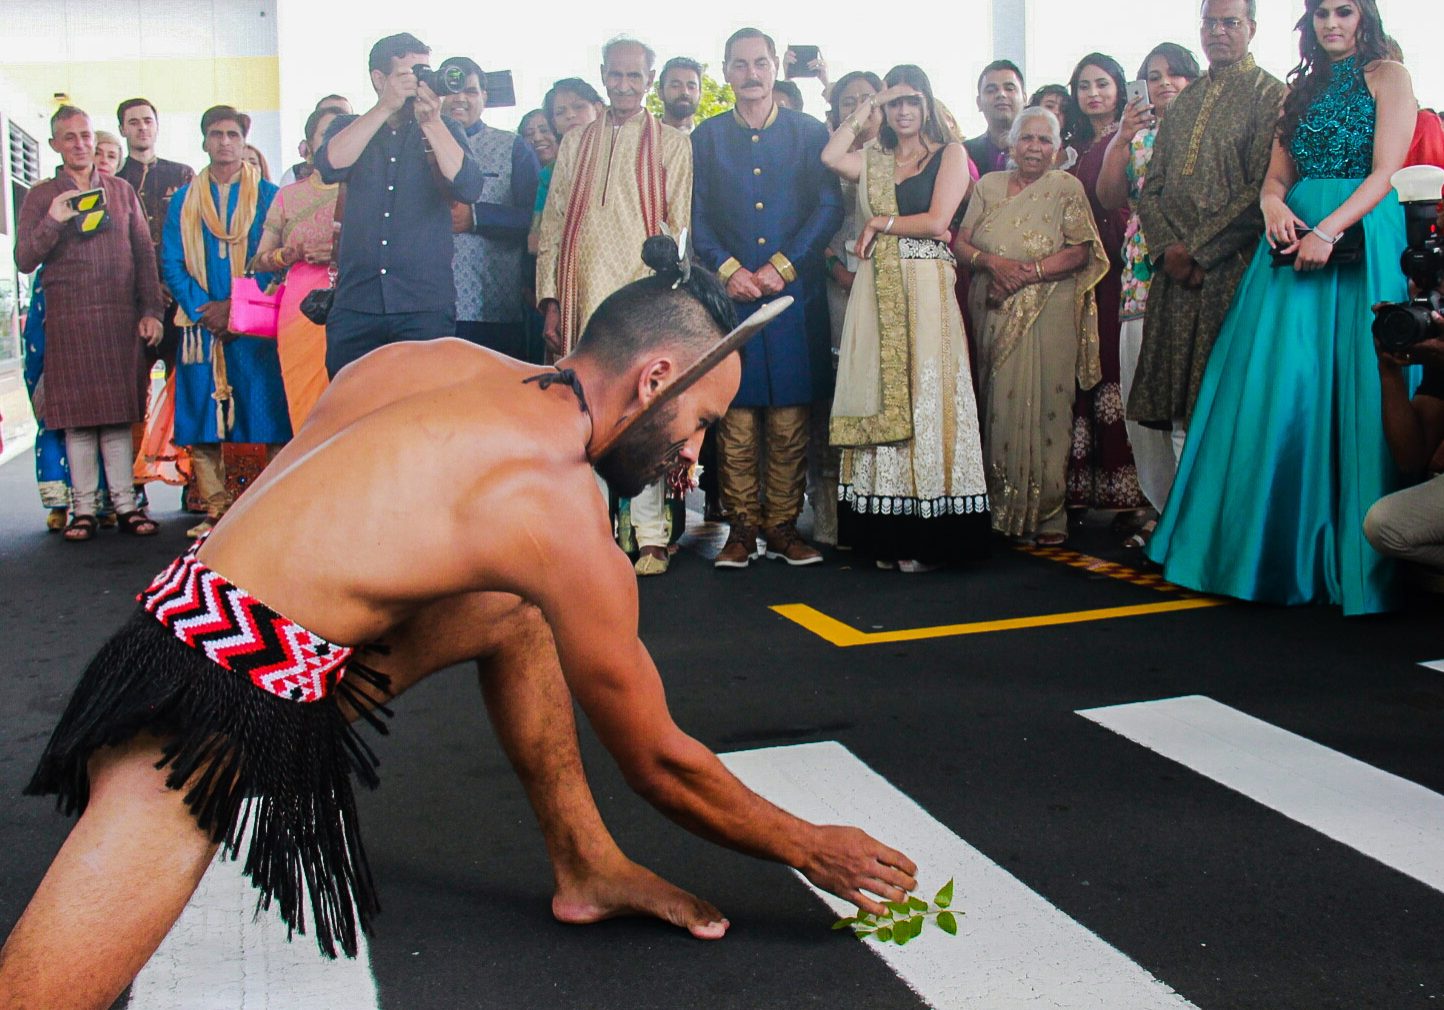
(1397,822)
(1013,949)
(220,956)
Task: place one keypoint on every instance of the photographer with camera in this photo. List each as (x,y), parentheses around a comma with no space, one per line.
(402,165)
(1409,524)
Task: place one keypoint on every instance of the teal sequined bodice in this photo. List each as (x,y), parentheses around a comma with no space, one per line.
(1335,138)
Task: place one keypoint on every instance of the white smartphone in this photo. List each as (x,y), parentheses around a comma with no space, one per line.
(1137,91)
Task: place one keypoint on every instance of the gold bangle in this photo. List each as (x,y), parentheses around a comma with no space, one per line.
(973,259)
(1038,266)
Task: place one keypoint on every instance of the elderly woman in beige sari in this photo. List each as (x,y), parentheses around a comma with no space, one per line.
(912,493)
(1031,243)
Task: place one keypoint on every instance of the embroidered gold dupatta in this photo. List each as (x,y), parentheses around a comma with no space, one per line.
(873,405)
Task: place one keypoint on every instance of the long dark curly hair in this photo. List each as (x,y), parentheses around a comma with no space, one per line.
(1077,127)
(1311,77)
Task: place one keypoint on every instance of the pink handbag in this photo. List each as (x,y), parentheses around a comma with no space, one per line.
(254,312)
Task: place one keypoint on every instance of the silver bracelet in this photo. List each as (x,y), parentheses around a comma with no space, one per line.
(1325,236)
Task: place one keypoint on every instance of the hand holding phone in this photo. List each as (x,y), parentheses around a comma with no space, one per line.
(71,204)
(800,63)
(500,90)
(1137,112)
(1137,91)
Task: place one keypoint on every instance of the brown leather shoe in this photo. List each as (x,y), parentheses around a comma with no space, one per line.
(785,544)
(740,549)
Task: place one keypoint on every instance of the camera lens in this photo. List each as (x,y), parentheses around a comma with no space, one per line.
(1400,327)
(451,81)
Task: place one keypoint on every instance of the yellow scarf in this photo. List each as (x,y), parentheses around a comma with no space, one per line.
(200,210)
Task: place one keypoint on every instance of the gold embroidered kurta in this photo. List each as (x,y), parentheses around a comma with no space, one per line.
(1201,190)
(610,235)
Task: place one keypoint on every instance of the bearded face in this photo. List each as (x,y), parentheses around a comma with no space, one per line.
(643,454)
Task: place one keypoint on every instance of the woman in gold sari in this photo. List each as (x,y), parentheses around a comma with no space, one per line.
(1030,241)
(911,493)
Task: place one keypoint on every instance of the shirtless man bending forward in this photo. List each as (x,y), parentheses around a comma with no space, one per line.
(179,740)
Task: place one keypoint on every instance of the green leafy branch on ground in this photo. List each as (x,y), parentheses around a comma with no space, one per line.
(904,920)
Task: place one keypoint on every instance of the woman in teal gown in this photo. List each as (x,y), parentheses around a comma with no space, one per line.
(1285,448)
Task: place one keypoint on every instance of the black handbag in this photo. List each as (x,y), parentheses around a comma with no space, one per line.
(316,306)
(1348,250)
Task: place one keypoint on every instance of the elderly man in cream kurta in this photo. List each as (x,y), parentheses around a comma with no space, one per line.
(616,182)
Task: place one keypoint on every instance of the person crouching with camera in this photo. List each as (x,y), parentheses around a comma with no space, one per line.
(1409,524)
(402,166)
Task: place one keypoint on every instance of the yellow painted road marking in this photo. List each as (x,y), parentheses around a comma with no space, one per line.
(845,635)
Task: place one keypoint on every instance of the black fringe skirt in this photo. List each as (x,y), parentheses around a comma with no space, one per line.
(245,759)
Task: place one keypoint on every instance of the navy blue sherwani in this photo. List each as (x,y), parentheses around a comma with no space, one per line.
(761,196)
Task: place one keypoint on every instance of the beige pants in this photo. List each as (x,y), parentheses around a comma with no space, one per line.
(745,436)
(1409,524)
(210,476)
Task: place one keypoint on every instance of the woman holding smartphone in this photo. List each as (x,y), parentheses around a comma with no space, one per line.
(1166,71)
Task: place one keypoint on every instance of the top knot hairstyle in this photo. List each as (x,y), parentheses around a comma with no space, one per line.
(682,305)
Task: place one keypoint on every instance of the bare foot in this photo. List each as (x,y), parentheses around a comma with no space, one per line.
(629,889)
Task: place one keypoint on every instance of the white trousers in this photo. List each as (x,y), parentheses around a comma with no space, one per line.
(87,449)
(649,515)
(1155,452)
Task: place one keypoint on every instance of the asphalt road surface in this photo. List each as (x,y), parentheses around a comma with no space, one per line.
(1151,800)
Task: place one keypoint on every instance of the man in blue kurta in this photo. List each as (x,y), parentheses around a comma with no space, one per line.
(763,209)
(228,386)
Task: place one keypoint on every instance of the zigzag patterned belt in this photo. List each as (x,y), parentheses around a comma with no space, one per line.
(238,632)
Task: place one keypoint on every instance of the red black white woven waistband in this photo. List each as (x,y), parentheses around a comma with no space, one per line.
(238,632)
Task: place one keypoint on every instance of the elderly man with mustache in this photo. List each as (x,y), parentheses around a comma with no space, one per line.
(766,207)
(616,182)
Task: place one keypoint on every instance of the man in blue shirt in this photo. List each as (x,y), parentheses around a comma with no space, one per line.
(403,166)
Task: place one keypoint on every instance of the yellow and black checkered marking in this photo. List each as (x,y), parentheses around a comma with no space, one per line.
(1113,570)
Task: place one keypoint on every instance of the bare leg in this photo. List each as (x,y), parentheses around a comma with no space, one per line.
(114,890)
(531,710)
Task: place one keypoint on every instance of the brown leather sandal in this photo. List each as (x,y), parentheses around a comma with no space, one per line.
(81,528)
(137,524)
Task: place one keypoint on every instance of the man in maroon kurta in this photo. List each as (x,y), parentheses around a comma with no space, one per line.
(103,304)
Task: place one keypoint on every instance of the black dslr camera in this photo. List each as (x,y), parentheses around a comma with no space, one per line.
(446,81)
(1400,325)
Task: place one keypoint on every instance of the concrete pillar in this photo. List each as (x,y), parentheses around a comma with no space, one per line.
(1010,32)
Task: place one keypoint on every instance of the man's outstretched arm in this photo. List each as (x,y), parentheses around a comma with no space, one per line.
(613,678)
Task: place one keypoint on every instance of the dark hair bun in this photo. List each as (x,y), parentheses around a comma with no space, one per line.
(660,253)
